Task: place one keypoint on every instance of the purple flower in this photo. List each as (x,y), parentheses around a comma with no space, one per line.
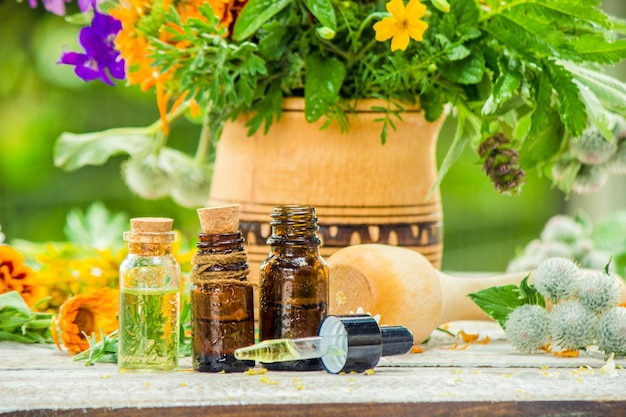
(86,5)
(54,6)
(58,6)
(100,58)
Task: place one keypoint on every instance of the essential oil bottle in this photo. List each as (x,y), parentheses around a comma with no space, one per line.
(149,297)
(293,282)
(222,299)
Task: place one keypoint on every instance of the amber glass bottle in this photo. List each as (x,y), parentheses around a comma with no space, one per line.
(222,304)
(293,282)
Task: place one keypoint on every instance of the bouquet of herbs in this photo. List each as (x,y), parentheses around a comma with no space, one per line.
(523,78)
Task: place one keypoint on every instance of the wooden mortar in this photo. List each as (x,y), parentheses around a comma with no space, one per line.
(405,289)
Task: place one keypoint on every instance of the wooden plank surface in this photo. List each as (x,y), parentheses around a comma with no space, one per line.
(489,379)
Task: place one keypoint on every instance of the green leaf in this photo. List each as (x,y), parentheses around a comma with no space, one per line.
(324,77)
(593,48)
(466,14)
(19,324)
(619,261)
(609,234)
(544,138)
(74,151)
(454,153)
(618,24)
(610,91)
(466,71)
(546,130)
(457,53)
(568,176)
(498,302)
(565,12)
(324,12)
(273,44)
(528,294)
(530,33)
(12,337)
(96,228)
(503,89)
(12,300)
(571,108)
(266,109)
(596,111)
(255,14)
(540,118)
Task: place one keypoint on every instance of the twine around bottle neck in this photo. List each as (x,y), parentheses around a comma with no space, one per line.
(204,266)
(221,259)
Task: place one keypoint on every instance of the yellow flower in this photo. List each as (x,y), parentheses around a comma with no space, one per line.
(402,25)
(66,270)
(86,314)
(15,276)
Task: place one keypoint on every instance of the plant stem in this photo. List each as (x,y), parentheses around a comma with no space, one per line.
(205,139)
(151,129)
(366,48)
(369,19)
(347,56)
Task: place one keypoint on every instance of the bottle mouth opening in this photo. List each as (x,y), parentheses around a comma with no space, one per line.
(293,212)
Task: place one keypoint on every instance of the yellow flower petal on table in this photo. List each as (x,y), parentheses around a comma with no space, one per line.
(403,25)
(85,314)
(568,353)
(468,338)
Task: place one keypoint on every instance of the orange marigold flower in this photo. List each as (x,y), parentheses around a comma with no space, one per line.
(227,11)
(16,276)
(85,314)
(136,17)
(139,16)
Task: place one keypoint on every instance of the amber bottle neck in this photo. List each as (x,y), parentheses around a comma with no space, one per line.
(294,226)
(223,243)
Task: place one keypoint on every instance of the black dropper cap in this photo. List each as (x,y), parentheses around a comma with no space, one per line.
(355,343)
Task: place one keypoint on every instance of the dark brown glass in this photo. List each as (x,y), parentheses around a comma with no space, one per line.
(293,282)
(222,312)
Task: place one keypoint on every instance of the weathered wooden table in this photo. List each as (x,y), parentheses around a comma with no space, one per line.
(483,379)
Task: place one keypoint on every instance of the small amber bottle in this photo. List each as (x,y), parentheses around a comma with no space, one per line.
(293,282)
(222,302)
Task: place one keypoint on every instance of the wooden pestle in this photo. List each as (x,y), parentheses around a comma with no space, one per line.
(405,289)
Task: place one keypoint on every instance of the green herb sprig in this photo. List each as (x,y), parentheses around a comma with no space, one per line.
(18,323)
(103,351)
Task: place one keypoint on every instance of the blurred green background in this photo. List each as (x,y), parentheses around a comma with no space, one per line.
(39,100)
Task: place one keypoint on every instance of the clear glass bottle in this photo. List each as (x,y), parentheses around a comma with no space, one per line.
(293,282)
(222,304)
(149,298)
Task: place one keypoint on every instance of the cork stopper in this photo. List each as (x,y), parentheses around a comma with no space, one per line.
(219,220)
(151,225)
